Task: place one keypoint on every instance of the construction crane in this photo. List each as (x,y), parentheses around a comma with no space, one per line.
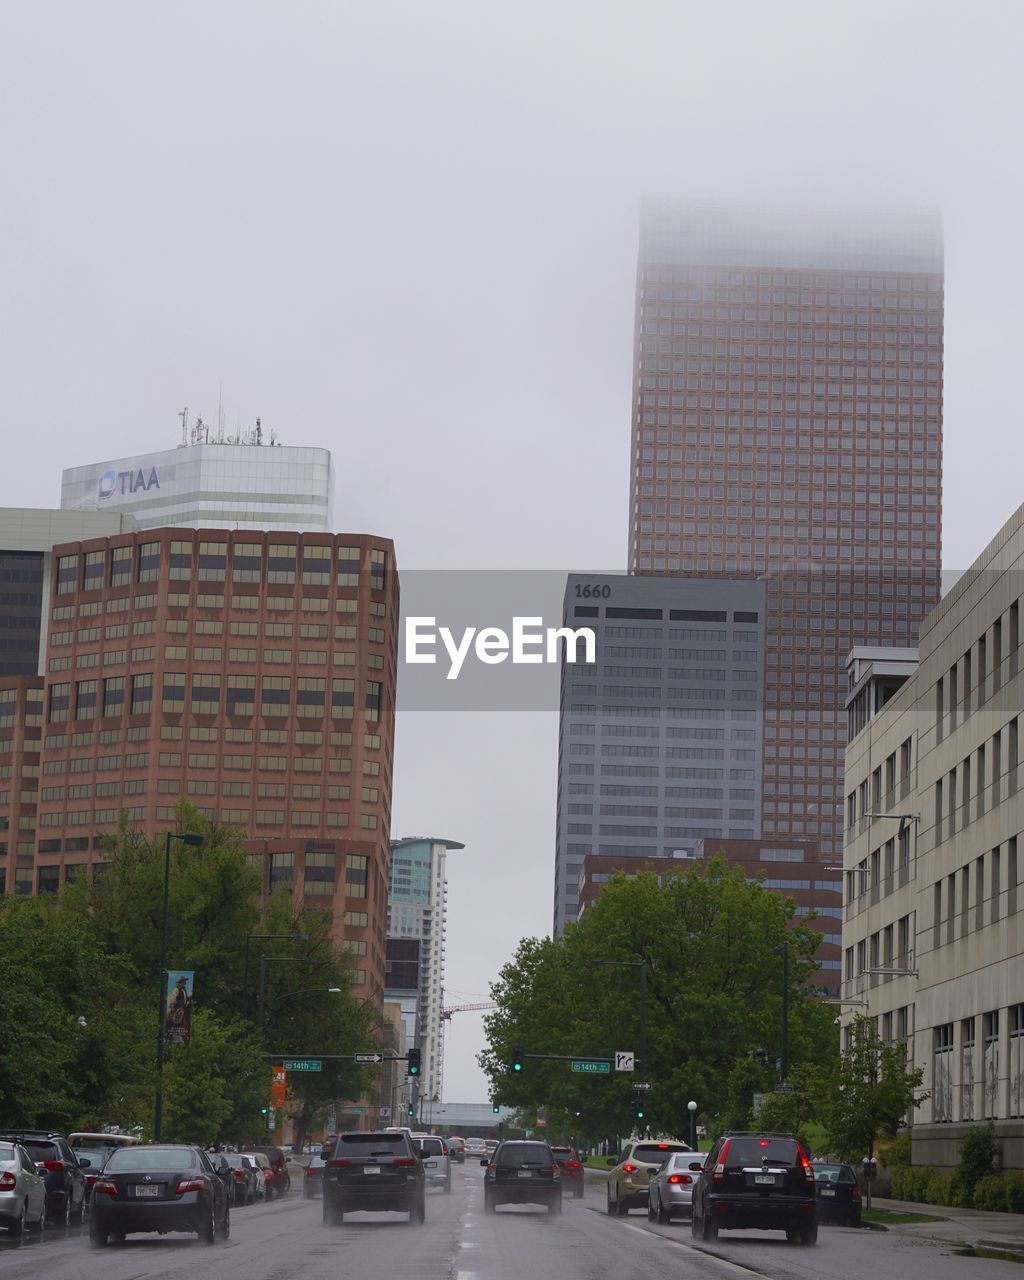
(446,1017)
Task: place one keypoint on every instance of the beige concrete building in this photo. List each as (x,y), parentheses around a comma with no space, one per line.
(933,948)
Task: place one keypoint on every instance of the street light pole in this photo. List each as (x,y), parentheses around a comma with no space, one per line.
(294,937)
(158,1113)
(692,1108)
(264,961)
(784,1053)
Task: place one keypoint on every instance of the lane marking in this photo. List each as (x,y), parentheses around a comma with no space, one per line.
(724,1263)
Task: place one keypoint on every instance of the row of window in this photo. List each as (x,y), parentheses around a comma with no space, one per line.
(883,781)
(969,1082)
(281,563)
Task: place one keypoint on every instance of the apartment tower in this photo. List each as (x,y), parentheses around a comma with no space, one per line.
(787,425)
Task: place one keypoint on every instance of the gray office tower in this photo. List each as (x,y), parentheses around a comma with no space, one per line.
(660,739)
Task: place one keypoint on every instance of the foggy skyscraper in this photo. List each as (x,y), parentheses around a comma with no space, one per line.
(787,422)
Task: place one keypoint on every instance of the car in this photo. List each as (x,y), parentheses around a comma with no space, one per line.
(279,1164)
(456,1148)
(264,1166)
(93,1149)
(375,1170)
(838,1192)
(756,1180)
(571,1168)
(671,1189)
(313,1177)
(522,1171)
(159,1187)
(22,1190)
(63,1173)
(433,1151)
(632,1170)
(246,1177)
(476,1147)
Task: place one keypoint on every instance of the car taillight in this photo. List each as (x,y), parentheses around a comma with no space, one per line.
(680,1178)
(189,1184)
(629,1168)
(719,1173)
(104,1187)
(338,1164)
(405,1162)
(572,1164)
(53,1166)
(8,1182)
(239,1173)
(90,1178)
(856,1193)
(556,1173)
(808,1171)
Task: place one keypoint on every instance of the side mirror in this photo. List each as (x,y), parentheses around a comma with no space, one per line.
(695,1166)
(83,1163)
(485,1162)
(613,1160)
(423,1155)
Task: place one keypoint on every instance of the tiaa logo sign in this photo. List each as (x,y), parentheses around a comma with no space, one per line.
(124,482)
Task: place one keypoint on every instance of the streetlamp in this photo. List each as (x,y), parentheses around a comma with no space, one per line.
(294,937)
(264,961)
(783,950)
(691,1106)
(642,966)
(158,1116)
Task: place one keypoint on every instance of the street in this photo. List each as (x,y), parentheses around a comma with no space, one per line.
(287,1239)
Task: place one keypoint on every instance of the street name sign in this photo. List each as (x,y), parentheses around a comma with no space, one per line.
(591,1066)
(302,1064)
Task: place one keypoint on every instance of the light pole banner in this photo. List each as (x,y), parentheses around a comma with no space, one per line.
(178,1006)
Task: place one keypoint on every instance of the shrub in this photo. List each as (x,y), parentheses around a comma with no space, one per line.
(1015,1191)
(910,1183)
(990,1193)
(898,1155)
(937,1189)
(979,1150)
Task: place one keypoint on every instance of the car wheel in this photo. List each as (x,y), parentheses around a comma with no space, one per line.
(62,1215)
(855,1219)
(621,1208)
(708,1229)
(333,1213)
(97,1235)
(664,1217)
(208,1229)
(611,1203)
(20,1225)
(555,1207)
(77,1214)
(307,1193)
(809,1234)
(579,1190)
(40,1227)
(651,1214)
(448,1186)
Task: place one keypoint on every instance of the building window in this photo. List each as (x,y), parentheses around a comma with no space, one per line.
(319,873)
(990,1063)
(310,694)
(94,569)
(275,696)
(241,695)
(343,696)
(348,566)
(181,561)
(205,694)
(1016,1015)
(356,875)
(120,567)
(85,699)
(281,562)
(59,699)
(213,561)
(67,577)
(967,1069)
(373,697)
(282,866)
(149,562)
(173,699)
(942,1074)
(316,566)
(378,570)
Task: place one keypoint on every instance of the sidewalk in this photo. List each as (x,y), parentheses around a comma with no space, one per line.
(972,1227)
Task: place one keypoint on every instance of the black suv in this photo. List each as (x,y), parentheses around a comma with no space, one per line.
(63,1176)
(378,1170)
(522,1172)
(756,1180)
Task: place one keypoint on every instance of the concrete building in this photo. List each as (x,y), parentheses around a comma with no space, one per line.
(788,422)
(252,675)
(660,739)
(932,937)
(229,485)
(794,870)
(417,909)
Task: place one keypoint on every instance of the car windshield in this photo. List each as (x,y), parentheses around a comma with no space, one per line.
(834,1173)
(366,1144)
(525,1154)
(149,1159)
(7,1151)
(40,1151)
(656,1152)
(429,1146)
(95,1155)
(744,1151)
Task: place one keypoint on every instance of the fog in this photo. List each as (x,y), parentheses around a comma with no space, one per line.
(407,232)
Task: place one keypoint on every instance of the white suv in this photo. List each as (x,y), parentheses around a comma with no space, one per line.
(433,1152)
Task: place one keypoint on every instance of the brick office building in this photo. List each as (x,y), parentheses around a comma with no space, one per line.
(251,674)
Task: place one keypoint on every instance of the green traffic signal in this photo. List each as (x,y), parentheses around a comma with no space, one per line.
(410,1111)
(518,1053)
(495,1108)
(414,1062)
(639,1113)
(263,1111)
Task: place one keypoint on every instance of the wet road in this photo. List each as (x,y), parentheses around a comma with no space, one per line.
(286,1240)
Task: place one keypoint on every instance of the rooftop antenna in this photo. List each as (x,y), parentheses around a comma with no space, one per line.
(220,412)
(184,425)
(259,432)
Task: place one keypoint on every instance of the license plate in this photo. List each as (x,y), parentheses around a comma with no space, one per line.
(828,1193)
(147,1191)
(765,1179)
(430,1164)
(372,1168)
(525,1173)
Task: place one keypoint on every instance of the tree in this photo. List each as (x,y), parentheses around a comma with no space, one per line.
(867,1092)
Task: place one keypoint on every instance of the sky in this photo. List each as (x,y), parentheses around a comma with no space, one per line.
(407,233)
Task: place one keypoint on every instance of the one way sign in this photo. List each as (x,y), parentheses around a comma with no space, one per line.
(624,1061)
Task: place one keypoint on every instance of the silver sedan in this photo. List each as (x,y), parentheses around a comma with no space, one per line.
(671,1189)
(22,1190)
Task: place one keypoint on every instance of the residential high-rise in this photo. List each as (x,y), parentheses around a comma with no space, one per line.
(244,483)
(417,909)
(787,424)
(660,738)
(252,675)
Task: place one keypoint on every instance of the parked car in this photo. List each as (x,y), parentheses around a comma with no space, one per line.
(433,1151)
(756,1180)
(22,1191)
(279,1164)
(93,1149)
(671,1189)
(170,1187)
(522,1172)
(476,1147)
(375,1171)
(456,1148)
(632,1170)
(838,1192)
(313,1177)
(571,1169)
(246,1177)
(61,1171)
(266,1169)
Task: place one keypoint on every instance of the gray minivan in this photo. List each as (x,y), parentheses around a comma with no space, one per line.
(433,1151)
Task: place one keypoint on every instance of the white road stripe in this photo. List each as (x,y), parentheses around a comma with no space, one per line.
(732,1267)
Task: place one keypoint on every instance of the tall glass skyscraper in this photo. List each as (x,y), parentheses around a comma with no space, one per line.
(787,425)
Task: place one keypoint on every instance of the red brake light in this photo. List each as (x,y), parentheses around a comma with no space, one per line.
(678,1179)
(719,1173)
(338,1164)
(53,1166)
(629,1168)
(189,1184)
(239,1173)
(662,1146)
(808,1171)
(8,1182)
(856,1193)
(104,1187)
(404,1162)
(763,1143)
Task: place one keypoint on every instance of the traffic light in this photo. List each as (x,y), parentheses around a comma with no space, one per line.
(410,1110)
(518,1054)
(639,1113)
(495,1108)
(264,1110)
(414,1062)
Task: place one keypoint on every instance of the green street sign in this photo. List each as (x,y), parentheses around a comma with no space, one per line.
(302,1064)
(590,1066)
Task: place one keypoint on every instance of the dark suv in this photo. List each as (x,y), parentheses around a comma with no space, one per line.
(378,1170)
(63,1176)
(522,1172)
(756,1180)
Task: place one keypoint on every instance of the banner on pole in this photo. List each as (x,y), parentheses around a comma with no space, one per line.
(178,1006)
